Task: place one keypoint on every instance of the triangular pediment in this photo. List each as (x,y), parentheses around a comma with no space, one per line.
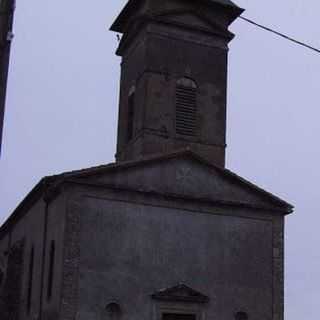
(183,175)
(180,293)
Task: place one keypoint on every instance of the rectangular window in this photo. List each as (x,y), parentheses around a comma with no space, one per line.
(13,284)
(131,107)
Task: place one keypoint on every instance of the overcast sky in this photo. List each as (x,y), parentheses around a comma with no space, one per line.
(63,99)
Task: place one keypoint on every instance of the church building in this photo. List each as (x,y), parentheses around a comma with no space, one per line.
(166,232)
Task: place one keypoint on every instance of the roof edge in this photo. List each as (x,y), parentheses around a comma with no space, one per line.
(44,185)
(28,200)
(117,25)
(47,188)
(181,152)
(235,204)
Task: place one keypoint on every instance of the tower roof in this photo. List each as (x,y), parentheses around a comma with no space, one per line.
(133,6)
(225,3)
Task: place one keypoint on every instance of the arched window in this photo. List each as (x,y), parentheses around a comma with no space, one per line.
(112,311)
(131,111)
(12,298)
(30,280)
(51,269)
(1,277)
(186,107)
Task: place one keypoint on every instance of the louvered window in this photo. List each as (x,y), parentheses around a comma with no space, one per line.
(186,107)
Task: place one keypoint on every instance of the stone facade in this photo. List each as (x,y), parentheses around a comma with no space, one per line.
(123,232)
(166,232)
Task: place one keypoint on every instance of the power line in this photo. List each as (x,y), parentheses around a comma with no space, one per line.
(281,35)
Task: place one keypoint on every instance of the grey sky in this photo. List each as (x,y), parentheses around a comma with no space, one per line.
(63,99)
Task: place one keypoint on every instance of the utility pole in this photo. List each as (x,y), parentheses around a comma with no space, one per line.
(7,8)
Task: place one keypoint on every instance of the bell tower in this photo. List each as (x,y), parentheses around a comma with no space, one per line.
(174,77)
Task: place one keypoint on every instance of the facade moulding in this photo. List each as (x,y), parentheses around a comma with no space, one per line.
(281,211)
(141,22)
(158,133)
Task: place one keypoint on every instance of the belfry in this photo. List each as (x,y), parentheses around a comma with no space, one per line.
(165,232)
(174,77)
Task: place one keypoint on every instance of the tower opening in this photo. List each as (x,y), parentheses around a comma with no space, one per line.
(186,107)
(131,111)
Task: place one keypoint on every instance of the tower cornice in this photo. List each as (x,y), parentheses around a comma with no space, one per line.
(132,8)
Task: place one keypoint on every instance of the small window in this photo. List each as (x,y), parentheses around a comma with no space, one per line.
(131,111)
(186,107)
(178,316)
(30,280)
(241,316)
(113,311)
(1,277)
(51,269)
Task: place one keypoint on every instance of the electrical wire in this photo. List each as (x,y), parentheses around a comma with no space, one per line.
(300,43)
